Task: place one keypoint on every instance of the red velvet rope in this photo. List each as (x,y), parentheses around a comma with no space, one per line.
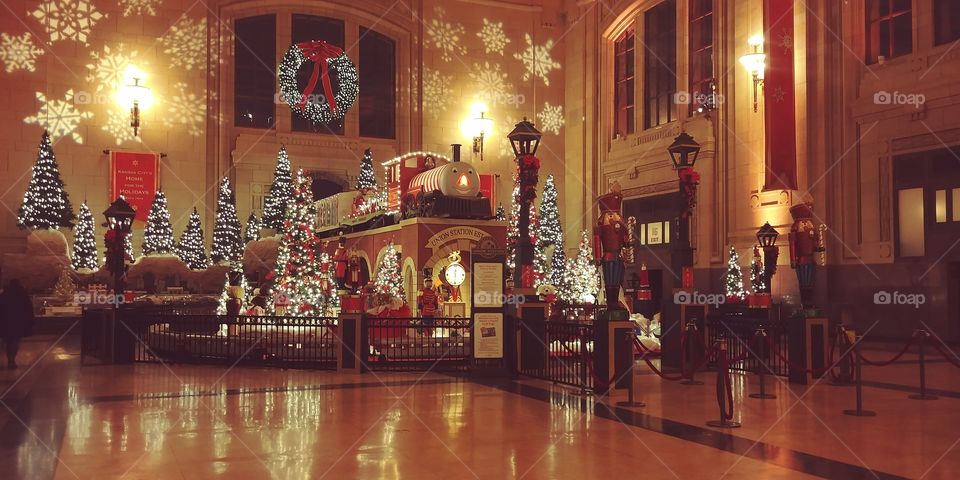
(888,362)
(320,53)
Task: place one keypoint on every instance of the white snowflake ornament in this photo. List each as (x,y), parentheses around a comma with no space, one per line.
(186,109)
(19,53)
(109,68)
(537,60)
(493,37)
(445,36)
(186,43)
(491,83)
(139,7)
(67,19)
(118,126)
(436,91)
(59,117)
(551,118)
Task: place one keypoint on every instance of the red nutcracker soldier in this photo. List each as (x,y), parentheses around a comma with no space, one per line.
(609,239)
(356,277)
(340,262)
(805,243)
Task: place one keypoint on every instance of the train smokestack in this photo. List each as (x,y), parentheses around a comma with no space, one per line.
(456,152)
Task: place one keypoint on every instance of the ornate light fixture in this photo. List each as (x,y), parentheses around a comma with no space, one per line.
(684,151)
(525,138)
(756,64)
(135,96)
(481,127)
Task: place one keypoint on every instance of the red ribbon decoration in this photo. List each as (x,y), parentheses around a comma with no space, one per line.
(320,53)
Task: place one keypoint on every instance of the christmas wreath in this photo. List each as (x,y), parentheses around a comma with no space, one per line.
(330,105)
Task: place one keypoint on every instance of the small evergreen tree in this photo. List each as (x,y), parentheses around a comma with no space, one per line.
(281,191)
(756,272)
(583,276)
(190,248)
(549,229)
(388,279)
(733,280)
(501,214)
(367,178)
(227,242)
(158,234)
(84,242)
(252,230)
(299,278)
(45,203)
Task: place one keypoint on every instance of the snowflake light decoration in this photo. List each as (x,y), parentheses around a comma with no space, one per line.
(445,36)
(436,91)
(491,83)
(494,39)
(67,19)
(537,60)
(186,43)
(118,126)
(139,7)
(551,118)
(59,117)
(19,53)
(108,68)
(186,109)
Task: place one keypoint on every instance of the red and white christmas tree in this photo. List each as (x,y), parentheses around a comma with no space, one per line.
(299,277)
(388,281)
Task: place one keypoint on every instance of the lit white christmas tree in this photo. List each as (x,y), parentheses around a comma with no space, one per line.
(251,231)
(65,285)
(158,234)
(299,278)
(128,246)
(225,297)
(84,242)
(388,279)
(190,248)
(281,191)
(583,276)
(550,234)
(558,268)
(733,280)
(227,242)
(756,272)
(367,178)
(501,214)
(45,203)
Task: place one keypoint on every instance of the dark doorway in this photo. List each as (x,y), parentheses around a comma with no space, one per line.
(323,188)
(953,301)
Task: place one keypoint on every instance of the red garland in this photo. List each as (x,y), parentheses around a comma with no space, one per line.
(529,175)
(689,179)
(320,53)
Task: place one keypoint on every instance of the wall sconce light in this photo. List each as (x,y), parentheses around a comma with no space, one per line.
(135,96)
(481,127)
(756,64)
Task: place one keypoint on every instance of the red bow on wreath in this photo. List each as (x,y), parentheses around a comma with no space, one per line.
(320,53)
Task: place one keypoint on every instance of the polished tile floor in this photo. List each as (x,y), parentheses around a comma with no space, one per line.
(61,420)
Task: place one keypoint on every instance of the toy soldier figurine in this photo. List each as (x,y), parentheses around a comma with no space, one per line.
(356,277)
(340,262)
(609,239)
(805,243)
(428,299)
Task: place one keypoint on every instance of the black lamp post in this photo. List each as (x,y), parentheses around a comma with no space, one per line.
(767,236)
(525,139)
(119,220)
(683,153)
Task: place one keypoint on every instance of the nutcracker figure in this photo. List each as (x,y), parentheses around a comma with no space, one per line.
(340,262)
(805,243)
(356,277)
(428,299)
(609,240)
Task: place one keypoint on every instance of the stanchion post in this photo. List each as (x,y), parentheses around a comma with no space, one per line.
(723,377)
(630,402)
(923,335)
(761,334)
(857,364)
(691,328)
(843,363)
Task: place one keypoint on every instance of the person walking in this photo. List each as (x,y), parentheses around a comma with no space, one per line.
(16,319)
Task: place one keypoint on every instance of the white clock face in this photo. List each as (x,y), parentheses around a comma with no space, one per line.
(455,274)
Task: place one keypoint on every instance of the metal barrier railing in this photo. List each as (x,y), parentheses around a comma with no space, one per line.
(740,335)
(413,343)
(305,342)
(565,353)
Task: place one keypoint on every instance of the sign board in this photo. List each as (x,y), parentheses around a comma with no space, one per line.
(135,176)
(487,335)
(448,235)
(487,285)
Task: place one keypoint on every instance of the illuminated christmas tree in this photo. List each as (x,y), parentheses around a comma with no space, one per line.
(756,272)
(128,246)
(227,243)
(733,280)
(190,248)
(158,234)
(388,279)
(299,278)
(45,203)
(84,242)
(558,268)
(65,285)
(281,191)
(501,214)
(583,277)
(252,230)
(549,234)
(367,178)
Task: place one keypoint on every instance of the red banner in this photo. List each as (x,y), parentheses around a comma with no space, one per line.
(135,176)
(487,185)
(779,96)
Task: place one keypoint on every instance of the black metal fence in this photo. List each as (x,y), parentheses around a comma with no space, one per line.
(304,342)
(742,340)
(419,344)
(560,352)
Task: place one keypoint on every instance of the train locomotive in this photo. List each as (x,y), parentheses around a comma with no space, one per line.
(434,186)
